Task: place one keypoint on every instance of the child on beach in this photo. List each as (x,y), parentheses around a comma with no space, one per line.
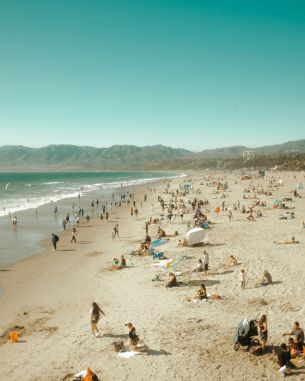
(242,275)
(94,318)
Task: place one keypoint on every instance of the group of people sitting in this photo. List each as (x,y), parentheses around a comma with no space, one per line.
(119,263)
(294,349)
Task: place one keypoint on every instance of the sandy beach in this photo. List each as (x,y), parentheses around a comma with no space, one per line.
(50,293)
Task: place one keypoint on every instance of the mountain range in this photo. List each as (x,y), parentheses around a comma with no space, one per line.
(125,157)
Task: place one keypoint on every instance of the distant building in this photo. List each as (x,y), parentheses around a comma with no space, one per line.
(249,155)
(292,152)
(219,164)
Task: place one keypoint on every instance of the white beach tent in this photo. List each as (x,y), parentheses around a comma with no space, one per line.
(195,235)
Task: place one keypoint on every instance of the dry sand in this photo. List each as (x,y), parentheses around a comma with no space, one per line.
(50,294)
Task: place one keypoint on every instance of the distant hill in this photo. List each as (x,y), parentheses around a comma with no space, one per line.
(236,151)
(129,157)
(69,157)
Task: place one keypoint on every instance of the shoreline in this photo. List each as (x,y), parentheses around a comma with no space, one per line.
(29,219)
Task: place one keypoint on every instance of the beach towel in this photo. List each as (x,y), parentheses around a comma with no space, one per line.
(158,242)
(162,263)
(128,355)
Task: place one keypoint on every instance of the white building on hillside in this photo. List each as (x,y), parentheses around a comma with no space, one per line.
(249,155)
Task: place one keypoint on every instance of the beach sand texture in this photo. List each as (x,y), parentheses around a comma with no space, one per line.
(50,294)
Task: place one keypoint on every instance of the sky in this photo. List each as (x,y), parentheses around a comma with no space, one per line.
(190,74)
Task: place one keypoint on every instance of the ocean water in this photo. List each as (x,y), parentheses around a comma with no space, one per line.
(25,190)
(31,197)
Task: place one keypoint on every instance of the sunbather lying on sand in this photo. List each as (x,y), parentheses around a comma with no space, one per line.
(286,241)
(161,234)
(172,281)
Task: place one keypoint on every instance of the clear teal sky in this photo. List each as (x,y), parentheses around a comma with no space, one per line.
(193,74)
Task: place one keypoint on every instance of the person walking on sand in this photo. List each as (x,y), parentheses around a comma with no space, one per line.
(230,215)
(107,216)
(55,239)
(73,238)
(116,231)
(94,318)
(206,262)
(242,275)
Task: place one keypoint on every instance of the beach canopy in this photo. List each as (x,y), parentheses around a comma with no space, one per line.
(195,235)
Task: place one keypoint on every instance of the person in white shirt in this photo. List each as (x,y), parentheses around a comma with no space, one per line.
(206,262)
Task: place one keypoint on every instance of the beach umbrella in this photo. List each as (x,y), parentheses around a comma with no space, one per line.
(195,235)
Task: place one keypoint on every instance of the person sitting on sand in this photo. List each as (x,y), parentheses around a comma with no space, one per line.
(123,260)
(182,242)
(232,261)
(135,344)
(94,318)
(147,239)
(134,338)
(199,267)
(86,375)
(267,278)
(250,217)
(293,348)
(298,333)
(161,233)
(172,281)
(287,241)
(201,293)
(284,358)
(115,262)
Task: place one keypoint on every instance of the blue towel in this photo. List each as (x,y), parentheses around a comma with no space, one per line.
(158,242)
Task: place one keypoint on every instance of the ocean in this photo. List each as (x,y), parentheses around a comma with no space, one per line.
(31,197)
(25,190)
